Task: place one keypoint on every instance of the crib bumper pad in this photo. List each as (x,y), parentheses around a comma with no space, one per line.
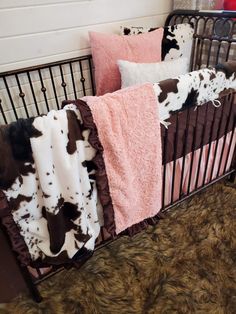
(194,89)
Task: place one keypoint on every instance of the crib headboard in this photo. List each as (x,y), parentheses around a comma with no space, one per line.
(36,90)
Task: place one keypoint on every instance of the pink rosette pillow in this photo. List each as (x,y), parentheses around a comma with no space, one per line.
(108,48)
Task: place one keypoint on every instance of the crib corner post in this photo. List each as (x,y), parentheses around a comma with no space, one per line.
(31,285)
(231,177)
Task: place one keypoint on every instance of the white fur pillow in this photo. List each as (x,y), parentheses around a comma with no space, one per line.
(137,73)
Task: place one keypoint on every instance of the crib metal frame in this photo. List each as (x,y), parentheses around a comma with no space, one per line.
(228,99)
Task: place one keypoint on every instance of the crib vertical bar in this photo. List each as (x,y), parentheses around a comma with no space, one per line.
(230,98)
(10,97)
(22,95)
(193,150)
(53,86)
(197,63)
(228,51)
(164,167)
(32,91)
(230,35)
(186,131)
(175,18)
(202,42)
(199,45)
(102,234)
(43,89)
(91,75)
(63,83)
(2,112)
(195,49)
(221,155)
(209,53)
(38,273)
(230,144)
(201,146)
(82,79)
(175,155)
(217,137)
(218,52)
(192,61)
(209,147)
(73,79)
(30,284)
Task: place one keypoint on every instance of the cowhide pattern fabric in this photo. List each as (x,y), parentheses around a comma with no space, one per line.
(51,186)
(194,88)
(176,43)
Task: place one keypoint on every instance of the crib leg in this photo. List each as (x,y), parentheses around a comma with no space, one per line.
(24,271)
(31,286)
(232,177)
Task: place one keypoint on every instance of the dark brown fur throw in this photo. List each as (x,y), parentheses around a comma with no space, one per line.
(185,264)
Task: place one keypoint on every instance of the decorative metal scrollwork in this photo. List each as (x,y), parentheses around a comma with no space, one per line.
(222,28)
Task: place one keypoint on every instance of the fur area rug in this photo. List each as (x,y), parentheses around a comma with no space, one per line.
(184,264)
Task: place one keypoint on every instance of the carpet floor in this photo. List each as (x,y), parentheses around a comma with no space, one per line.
(184,264)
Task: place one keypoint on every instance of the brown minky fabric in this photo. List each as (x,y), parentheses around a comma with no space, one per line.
(184,264)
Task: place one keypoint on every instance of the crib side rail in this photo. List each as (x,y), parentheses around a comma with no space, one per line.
(36,90)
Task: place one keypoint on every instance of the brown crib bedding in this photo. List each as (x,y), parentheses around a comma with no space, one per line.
(198,126)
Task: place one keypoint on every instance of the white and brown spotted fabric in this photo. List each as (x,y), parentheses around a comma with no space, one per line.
(194,88)
(176,43)
(52,194)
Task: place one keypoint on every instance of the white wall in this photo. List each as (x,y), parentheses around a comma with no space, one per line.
(34,32)
(38,31)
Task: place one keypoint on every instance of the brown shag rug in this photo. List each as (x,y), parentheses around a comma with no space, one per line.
(185,264)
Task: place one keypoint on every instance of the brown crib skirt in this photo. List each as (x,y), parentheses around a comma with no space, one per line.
(197,127)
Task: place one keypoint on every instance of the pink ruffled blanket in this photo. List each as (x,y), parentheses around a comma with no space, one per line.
(129,130)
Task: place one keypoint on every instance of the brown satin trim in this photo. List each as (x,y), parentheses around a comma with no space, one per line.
(17,241)
(101,176)
(4,210)
(131,231)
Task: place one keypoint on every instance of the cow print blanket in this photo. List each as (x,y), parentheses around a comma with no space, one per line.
(193,89)
(48,178)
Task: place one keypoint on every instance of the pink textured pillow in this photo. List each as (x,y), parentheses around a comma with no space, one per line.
(108,48)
